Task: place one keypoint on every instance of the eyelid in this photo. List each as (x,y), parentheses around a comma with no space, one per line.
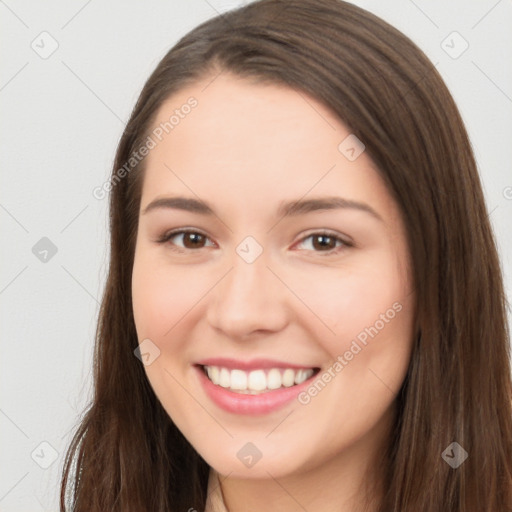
(346,243)
(327,232)
(318,231)
(179,231)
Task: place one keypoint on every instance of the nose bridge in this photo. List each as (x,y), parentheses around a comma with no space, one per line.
(248,298)
(243,283)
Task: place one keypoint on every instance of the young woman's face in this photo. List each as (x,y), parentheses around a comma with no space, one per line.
(269,286)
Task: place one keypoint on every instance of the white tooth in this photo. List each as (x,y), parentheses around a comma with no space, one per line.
(303,375)
(224,379)
(299,376)
(274,379)
(238,379)
(257,380)
(214,374)
(288,377)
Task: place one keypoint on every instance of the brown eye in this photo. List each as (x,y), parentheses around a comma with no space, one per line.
(323,242)
(181,240)
(193,240)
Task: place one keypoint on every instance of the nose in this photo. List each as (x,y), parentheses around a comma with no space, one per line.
(249,299)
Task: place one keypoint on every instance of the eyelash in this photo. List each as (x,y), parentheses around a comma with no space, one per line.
(166,237)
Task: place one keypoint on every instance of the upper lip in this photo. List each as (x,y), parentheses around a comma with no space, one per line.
(252,364)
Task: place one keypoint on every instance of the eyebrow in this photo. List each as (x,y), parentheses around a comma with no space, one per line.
(289,209)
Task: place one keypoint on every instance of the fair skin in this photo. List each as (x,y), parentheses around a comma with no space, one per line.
(245,149)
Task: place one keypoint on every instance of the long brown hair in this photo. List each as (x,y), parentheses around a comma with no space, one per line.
(128,455)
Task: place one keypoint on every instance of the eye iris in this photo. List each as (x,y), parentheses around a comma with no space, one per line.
(323,239)
(196,238)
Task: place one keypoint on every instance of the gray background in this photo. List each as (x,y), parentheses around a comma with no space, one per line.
(62,115)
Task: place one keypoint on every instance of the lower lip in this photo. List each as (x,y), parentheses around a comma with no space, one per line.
(239,403)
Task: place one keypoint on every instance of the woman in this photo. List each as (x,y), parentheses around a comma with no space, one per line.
(304,308)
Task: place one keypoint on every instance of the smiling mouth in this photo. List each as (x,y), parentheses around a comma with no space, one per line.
(257,381)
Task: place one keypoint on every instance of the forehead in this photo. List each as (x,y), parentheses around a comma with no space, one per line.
(241,119)
(244,142)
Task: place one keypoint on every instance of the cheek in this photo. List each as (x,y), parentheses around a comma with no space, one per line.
(367,317)
(161,297)
(346,304)
(371,315)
